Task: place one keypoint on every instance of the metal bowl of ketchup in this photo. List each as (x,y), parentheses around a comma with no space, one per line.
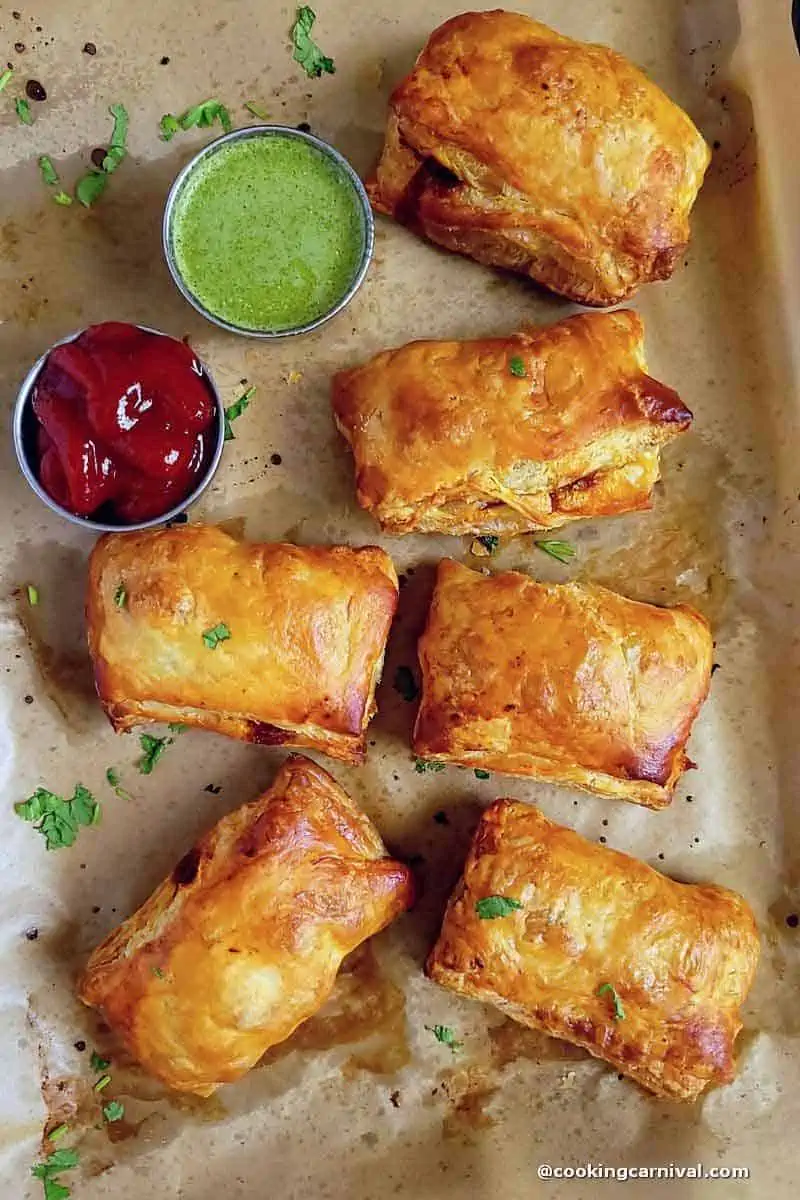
(118,427)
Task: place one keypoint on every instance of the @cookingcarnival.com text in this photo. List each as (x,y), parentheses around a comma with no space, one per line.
(667,1171)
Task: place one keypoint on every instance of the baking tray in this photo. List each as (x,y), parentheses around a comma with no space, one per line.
(363,1101)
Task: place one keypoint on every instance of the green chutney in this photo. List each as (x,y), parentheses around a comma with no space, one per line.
(268,232)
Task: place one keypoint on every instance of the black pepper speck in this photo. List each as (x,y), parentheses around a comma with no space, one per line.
(164,60)
(90,48)
(275,459)
(32,934)
(19,47)
(80,1045)
(29,699)
(98,155)
(793,920)
(34,90)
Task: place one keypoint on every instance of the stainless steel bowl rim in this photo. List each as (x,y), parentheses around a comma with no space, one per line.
(24,398)
(259,131)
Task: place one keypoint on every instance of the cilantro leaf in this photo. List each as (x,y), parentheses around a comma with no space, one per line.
(59,819)
(62,198)
(53,1190)
(5,77)
(152,749)
(219,633)
(97,1064)
(169,125)
(480,774)
(491,907)
(59,1160)
(49,173)
(23,111)
(406,684)
(561,551)
(306,51)
(114,781)
(33,595)
(119,138)
(114,1111)
(85,808)
(516,366)
(256,110)
(235,410)
(421,765)
(55,1134)
(204,114)
(445,1035)
(177,727)
(102,1083)
(120,595)
(619,1011)
(90,187)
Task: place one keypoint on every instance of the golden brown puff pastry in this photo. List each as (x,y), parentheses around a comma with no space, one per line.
(604,952)
(567,682)
(243,941)
(508,434)
(524,149)
(307,631)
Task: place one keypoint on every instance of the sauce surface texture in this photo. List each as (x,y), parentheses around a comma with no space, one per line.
(268,233)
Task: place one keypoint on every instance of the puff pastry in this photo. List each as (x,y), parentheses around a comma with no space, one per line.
(604,952)
(508,434)
(524,149)
(304,631)
(568,682)
(243,941)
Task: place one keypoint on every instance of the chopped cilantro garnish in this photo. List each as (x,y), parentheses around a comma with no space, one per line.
(406,684)
(113,779)
(91,187)
(119,138)
(114,1110)
(480,774)
(120,595)
(23,111)
(159,974)
(56,1134)
(306,51)
(169,125)
(33,595)
(561,551)
(236,409)
(204,114)
(49,173)
(421,765)
(218,633)
(59,1160)
(5,77)
(58,820)
(152,749)
(445,1035)
(102,1083)
(256,110)
(98,1064)
(492,907)
(619,1011)
(62,198)
(177,727)
(516,366)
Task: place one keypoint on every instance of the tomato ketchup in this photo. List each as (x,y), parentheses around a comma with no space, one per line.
(126,423)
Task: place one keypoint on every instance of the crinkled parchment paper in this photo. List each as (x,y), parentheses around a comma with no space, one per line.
(364,1101)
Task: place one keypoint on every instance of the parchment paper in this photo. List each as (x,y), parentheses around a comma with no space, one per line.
(364,1101)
